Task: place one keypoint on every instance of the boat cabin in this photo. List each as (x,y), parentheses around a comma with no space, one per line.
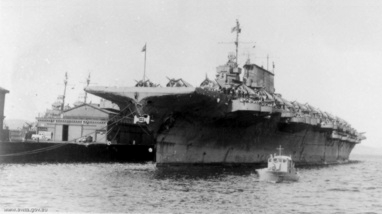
(280,163)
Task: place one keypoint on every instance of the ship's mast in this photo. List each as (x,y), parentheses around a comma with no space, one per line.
(238,30)
(87,84)
(280,149)
(63,98)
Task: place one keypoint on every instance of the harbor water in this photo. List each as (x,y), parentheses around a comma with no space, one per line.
(144,188)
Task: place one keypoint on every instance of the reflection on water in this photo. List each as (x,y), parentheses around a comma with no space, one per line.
(200,172)
(146,188)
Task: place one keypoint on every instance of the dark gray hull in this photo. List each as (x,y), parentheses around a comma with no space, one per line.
(195,143)
(207,127)
(58,152)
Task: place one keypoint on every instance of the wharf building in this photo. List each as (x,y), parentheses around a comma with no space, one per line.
(3,134)
(74,123)
(102,122)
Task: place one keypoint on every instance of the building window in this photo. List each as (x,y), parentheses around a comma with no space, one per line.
(43,129)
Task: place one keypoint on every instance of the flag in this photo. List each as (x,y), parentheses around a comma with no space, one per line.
(144,48)
(236,28)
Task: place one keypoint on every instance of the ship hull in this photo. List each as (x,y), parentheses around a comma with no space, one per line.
(199,126)
(63,152)
(189,142)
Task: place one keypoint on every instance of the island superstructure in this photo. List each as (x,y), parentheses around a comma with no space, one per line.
(231,120)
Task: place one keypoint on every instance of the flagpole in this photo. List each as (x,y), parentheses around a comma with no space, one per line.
(144,68)
(63,98)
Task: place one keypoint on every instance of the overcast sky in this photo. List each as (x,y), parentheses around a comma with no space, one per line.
(327,53)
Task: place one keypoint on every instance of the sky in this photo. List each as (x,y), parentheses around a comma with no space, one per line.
(326,53)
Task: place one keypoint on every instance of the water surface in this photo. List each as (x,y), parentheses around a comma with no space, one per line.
(115,187)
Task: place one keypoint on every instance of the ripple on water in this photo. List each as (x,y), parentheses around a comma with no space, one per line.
(145,188)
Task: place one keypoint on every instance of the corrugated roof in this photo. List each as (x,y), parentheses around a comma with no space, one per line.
(86,104)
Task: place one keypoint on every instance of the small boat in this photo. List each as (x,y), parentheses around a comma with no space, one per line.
(280,168)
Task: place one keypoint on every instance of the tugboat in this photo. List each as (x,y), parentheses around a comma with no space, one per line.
(280,168)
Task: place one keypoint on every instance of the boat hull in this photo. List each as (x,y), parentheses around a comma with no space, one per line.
(276,177)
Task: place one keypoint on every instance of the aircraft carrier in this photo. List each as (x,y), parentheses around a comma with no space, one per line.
(231,119)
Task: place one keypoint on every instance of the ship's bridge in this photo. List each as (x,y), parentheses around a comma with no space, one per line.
(228,73)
